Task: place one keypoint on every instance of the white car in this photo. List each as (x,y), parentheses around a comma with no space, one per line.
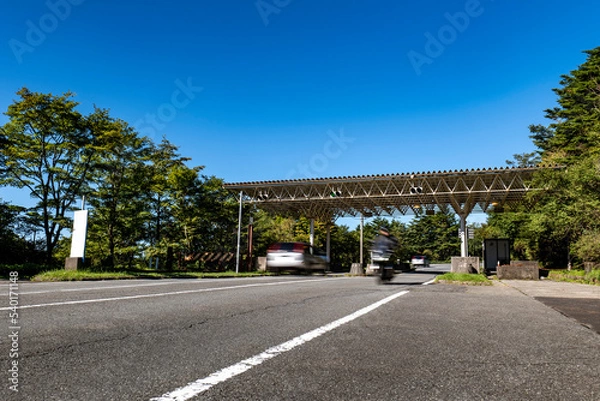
(419,261)
(296,256)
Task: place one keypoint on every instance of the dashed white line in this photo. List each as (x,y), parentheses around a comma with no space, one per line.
(193,389)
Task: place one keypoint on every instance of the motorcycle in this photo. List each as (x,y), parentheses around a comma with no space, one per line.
(385,272)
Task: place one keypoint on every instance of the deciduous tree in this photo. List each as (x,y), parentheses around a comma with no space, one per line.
(48,150)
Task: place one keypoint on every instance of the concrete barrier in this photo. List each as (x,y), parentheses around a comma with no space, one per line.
(261,263)
(357,269)
(469,265)
(73,263)
(589,266)
(519,270)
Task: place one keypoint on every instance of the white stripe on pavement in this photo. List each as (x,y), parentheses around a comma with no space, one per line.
(193,389)
(112,287)
(164,294)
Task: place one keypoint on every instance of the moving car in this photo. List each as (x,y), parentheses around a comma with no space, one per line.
(419,261)
(296,256)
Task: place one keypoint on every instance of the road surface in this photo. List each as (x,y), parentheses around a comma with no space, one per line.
(292,338)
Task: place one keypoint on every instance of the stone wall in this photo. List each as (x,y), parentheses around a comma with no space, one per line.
(519,270)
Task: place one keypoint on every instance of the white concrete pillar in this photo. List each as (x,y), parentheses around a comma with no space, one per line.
(362,224)
(464,237)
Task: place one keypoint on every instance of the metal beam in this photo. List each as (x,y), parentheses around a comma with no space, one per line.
(326,199)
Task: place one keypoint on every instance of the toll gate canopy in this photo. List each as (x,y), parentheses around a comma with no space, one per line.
(464,191)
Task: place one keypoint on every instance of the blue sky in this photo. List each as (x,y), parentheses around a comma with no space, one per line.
(274,89)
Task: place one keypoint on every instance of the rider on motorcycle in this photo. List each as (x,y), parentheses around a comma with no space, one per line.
(383,247)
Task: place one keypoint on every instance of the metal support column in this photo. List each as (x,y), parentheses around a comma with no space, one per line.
(312,231)
(464,237)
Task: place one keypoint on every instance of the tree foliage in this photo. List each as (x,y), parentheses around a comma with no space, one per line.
(144,199)
(47,150)
(563,226)
(435,236)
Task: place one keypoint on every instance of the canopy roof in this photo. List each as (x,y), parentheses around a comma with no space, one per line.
(464,191)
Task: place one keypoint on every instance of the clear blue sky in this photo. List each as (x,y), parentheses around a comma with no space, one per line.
(306,88)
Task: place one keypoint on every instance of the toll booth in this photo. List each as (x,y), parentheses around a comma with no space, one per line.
(495,251)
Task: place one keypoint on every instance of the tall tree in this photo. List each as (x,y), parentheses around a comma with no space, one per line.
(13,229)
(118,211)
(48,151)
(570,206)
(575,126)
(163,158)
(563,227)
(434,235)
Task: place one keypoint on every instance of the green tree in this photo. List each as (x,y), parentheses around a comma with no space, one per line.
(525,160)
(575,127)
(563,227)
(48,150)
(269,229)
(566,216)
(160,228)
(345,246)
(435,236)
(15,248)
(118,211)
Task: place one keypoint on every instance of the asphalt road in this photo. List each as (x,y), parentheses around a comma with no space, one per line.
(293,338)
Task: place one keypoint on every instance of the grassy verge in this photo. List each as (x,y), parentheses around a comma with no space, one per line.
(25,271)
(575,276)
(80,275)
(463,278)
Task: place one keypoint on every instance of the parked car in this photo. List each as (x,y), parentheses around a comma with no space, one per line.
(296,256)
(419,261)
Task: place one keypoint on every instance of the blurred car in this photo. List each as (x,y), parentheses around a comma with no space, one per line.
(419,261)
(296,256)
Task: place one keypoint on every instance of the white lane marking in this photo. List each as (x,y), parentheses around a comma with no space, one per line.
(112,287)
(194,388)
(429,282)
(164,294)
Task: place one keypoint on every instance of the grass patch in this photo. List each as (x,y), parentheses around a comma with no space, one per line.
(575,276)
(25,271)
(80,275)
(463,278)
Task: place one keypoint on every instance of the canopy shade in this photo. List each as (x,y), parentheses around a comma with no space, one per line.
(325,199)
